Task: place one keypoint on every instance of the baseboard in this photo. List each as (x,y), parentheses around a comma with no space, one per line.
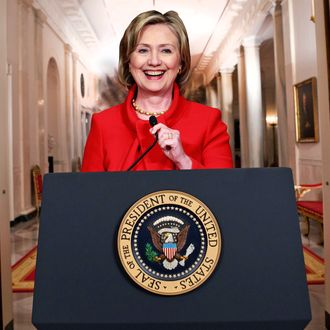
(24,217)
(327,320)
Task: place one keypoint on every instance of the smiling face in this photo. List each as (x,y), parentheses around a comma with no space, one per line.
(155,62)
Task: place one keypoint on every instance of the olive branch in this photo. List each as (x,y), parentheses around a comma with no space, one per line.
(151,254)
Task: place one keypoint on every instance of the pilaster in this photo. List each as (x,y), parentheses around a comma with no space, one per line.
(280,85)
(219,96)
(255,118)
(6,306)
(27,102)
(227,104)
(40,19)
(69,113)
(75,106)
(243,127)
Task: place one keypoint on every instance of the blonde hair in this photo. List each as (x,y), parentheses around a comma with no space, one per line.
(130,38)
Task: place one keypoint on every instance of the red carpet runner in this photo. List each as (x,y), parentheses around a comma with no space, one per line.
(23,270)
(314,267)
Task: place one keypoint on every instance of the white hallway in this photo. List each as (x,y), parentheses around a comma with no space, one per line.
(57,64)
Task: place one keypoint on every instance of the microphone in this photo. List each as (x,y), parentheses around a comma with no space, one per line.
(152,121)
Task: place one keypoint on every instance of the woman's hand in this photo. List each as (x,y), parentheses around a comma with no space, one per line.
(170,142)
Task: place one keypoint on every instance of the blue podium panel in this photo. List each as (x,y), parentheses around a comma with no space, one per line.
(259,283)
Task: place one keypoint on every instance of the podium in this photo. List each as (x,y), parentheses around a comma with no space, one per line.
(259,282)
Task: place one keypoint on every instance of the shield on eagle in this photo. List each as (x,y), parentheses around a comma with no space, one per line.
(169,250)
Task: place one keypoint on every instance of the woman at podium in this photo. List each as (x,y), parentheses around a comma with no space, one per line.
(154,65)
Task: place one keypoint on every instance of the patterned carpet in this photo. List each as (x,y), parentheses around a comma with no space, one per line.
(314,265)
(23,272)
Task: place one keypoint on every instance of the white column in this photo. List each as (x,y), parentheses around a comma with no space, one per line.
(207,90)
(207,95)
(42,136)
(219,97)
(243,127)
(212,95)
(227,104)
(5,271)
(255,118)
(11,189)
(69,103)
(76,110)
(280,86)
(27,101)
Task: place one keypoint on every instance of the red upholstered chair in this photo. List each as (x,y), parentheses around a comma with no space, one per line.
(309,209)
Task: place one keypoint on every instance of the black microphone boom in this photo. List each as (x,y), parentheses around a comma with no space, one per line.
(152,121)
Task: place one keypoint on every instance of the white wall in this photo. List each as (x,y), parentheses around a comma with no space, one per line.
(301,64)
(5,270)
(71,102)
(87,103)
(324,109)
(32,43)
(20,56)
(53,47)
(12,58)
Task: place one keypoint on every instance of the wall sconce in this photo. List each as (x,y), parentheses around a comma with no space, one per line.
(271,120)
(313,11)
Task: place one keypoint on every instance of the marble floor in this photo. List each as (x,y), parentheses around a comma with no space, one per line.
(24,237)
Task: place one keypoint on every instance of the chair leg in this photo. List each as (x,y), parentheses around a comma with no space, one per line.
(304,228)
(321,241)
(308,226)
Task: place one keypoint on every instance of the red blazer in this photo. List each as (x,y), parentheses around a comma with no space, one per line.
(117,137)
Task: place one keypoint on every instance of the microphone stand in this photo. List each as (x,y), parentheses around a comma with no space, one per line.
(144,153)
(152,122)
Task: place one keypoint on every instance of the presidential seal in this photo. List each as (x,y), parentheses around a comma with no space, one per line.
(169,242)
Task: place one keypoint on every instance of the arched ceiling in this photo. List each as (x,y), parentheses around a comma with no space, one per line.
(215,27)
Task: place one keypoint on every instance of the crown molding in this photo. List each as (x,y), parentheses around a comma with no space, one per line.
(249,17)
(68,21)
(77,18)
